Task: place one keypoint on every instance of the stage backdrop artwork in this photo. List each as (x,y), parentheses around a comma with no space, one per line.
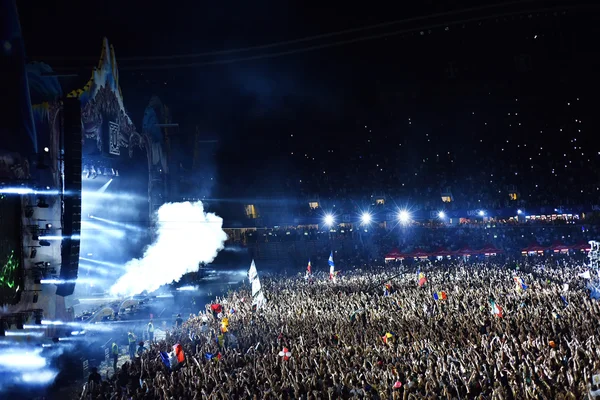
(107,129)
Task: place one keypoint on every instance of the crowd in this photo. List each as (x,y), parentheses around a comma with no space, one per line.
(297,245)
(468,332)
(430,159)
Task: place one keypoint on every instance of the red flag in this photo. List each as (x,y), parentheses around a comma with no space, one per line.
(308,268)
(179,352)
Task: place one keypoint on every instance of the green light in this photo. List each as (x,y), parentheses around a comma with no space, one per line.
(7,275)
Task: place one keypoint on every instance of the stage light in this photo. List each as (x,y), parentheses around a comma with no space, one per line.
(404,217)
(46,149)
(329,220)
(366,218)
(481,213)
(45,243)
(33,253)
(35,298)
(519,211)
(441,215)
(48,226)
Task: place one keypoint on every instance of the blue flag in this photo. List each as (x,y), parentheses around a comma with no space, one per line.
(594,292)
(209,356)
(165,359)
(331,260)
(565,302)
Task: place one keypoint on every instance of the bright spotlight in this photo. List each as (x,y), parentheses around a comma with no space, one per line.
(46,149)
(329,220)
(519,211)
(481,213)
(404,217)
(441,215)
(366,218)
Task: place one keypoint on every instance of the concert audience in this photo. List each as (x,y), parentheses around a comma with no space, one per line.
(377,334)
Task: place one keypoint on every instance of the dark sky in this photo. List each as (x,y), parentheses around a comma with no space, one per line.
(321,97)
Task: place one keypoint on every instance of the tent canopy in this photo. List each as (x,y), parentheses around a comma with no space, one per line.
(419,253)
(490,249)
(583,245)
(465,251)
(534,247)
(394,254)
(441,252)
(558,245)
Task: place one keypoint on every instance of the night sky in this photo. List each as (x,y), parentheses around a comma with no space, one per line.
(438,83)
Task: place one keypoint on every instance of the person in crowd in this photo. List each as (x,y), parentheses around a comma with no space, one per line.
(114,350)
(150,331)
(140,349)
(131,339)
(94,376)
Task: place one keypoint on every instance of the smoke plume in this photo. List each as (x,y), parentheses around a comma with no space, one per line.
(186,236)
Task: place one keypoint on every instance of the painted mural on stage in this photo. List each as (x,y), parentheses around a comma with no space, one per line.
(107,129)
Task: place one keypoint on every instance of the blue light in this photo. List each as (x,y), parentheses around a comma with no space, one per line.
(329,220)
(366,218)
(404,217)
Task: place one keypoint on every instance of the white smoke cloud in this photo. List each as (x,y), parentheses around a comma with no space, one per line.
(186,236)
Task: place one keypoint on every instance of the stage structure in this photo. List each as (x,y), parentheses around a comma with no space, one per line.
(31,188)
(59,146)
(157,133)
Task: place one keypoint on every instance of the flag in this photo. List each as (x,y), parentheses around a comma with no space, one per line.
(564,300)
(585,275)
(594,291)
(285,353)
(422,279)
(169,359)
(165,359)
(440,296)
(252,272)
(520,284)
(331,265)
(178,351)
(209,356)
(496,309)
(308,268)
(387,337)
